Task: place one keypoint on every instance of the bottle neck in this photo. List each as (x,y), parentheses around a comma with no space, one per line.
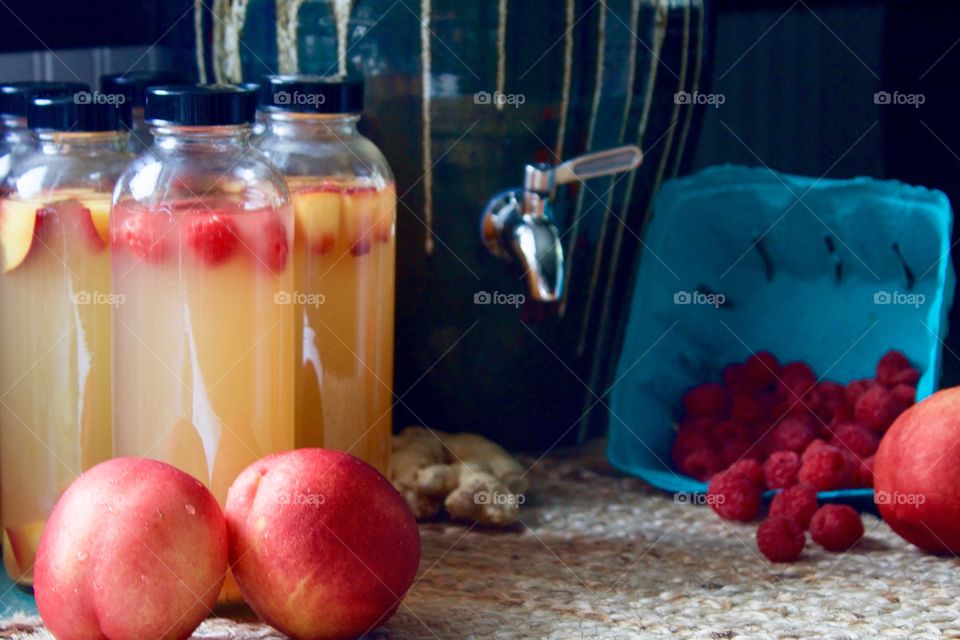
(81,141)
(312,125)
(169,138)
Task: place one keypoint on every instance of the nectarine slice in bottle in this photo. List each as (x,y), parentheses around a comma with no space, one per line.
(360,213)
(100,214)
(317,214)
(17,220)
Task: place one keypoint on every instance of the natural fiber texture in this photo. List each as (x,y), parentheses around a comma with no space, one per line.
(604,556)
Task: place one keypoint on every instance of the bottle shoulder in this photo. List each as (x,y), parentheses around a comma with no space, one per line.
(34,172)
(244,175)
(346,158)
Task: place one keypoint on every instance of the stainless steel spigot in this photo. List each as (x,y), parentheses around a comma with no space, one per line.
(516,224)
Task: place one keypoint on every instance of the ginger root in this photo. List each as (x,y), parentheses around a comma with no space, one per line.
(464,474)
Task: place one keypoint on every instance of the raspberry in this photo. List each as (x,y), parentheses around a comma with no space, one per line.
(828,402)
(791,404)
(749,469)
(700,425)
(780,539)
(762,369)
(826,469)
(797,503)
(856,389)
(728,430)
(781,468)
(706,401)
(746,408)
(686,442)
(889,366)
(907,376)
(797,377)
(271,245)
(212,236)
(875,409)
(793,433)
(701,464)
(865,472)
(813,446)
(735,377)
(767,399)
(860,441)
(734,497)
(738,451)
(144,235)
(904,395)
(836,527)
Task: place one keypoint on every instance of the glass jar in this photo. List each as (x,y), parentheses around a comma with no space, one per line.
(344,202)
(55,298)
(200,240)
(16,139)
(133,85)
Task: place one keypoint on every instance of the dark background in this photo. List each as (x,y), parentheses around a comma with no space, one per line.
(798,77)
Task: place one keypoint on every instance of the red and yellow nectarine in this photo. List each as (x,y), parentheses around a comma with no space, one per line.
(321,544)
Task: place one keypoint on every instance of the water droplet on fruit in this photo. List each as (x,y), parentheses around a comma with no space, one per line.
(159,514)
(143,578)
(192,510)
(81,555)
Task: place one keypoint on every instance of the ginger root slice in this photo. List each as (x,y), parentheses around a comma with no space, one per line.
(467,475)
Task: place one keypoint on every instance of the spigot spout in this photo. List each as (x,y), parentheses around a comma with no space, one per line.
(516,224)
(538,248)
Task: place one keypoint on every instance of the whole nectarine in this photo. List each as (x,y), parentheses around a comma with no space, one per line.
(134,549)
(916,485)
(321,545)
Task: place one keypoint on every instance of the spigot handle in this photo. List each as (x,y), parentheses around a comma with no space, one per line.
(543,179)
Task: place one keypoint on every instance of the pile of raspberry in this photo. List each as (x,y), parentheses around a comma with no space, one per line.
(773,426)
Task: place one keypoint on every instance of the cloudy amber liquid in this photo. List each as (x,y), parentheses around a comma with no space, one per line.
(204,348)
(344,281)
(55,369)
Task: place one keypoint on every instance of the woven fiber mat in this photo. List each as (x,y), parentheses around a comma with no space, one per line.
(603,556)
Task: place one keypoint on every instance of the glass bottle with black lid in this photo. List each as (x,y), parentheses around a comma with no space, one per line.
(55,301)
(344,203)
(201,234)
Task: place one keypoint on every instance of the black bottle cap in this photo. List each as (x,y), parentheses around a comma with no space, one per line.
(311,94)
(133,84)
(83,111)
(15,96)
(201,105)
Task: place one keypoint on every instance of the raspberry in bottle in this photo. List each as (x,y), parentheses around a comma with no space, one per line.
(132,86)
(56,299)
(344,203)
(201,233)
